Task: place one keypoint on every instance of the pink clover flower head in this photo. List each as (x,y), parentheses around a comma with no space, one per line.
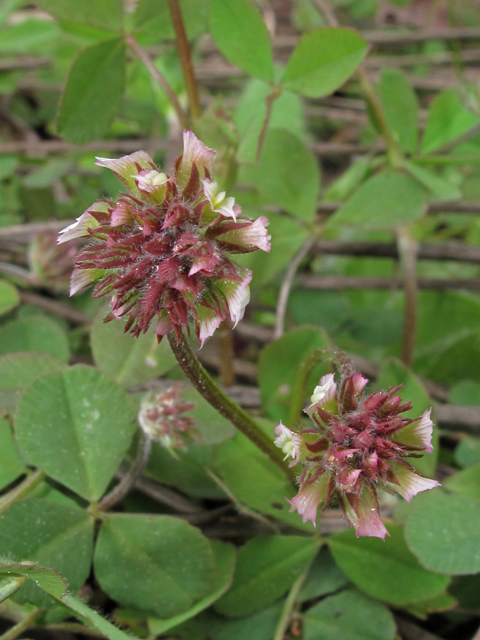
(162,418)
(359,443)
(162,253)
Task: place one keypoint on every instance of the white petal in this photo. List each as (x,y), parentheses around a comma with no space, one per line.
(237,294)
(209,321)
(127,165)
(417,434)
(82,278)
(410,482)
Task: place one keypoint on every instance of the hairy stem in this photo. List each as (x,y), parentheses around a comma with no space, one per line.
(22,490)
(407,249)
(222,403)
(158,77)
(185,59)
(129,479)
(339,358)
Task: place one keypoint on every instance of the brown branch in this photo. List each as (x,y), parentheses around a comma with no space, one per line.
(163,495)
(185,59)
(61,146)
(324,208)
(53,306)
(455,251)
(24,62)
(332,283)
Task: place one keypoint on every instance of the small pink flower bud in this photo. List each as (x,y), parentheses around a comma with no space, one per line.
(162,418)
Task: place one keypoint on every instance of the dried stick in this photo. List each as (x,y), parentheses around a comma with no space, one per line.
(348,283)
(130,478)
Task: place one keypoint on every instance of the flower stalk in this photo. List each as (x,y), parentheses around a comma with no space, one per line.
(206,386)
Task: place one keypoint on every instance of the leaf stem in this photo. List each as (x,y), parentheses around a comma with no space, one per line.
(222,403)
(185,59)
(158,77)
(339,358)
(394,155)
(290,604)
(22,490)
(21,626)
(129,479)
(9,587)
(269,100)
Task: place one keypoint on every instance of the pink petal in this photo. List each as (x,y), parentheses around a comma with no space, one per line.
(417,434)
(122,214)
(346,478)
(194,151)
(310,496)
(410,482)
(164,324)
(236,294)
(206,264)
(124,168)
(209,321)
(352,389)
(364,516)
